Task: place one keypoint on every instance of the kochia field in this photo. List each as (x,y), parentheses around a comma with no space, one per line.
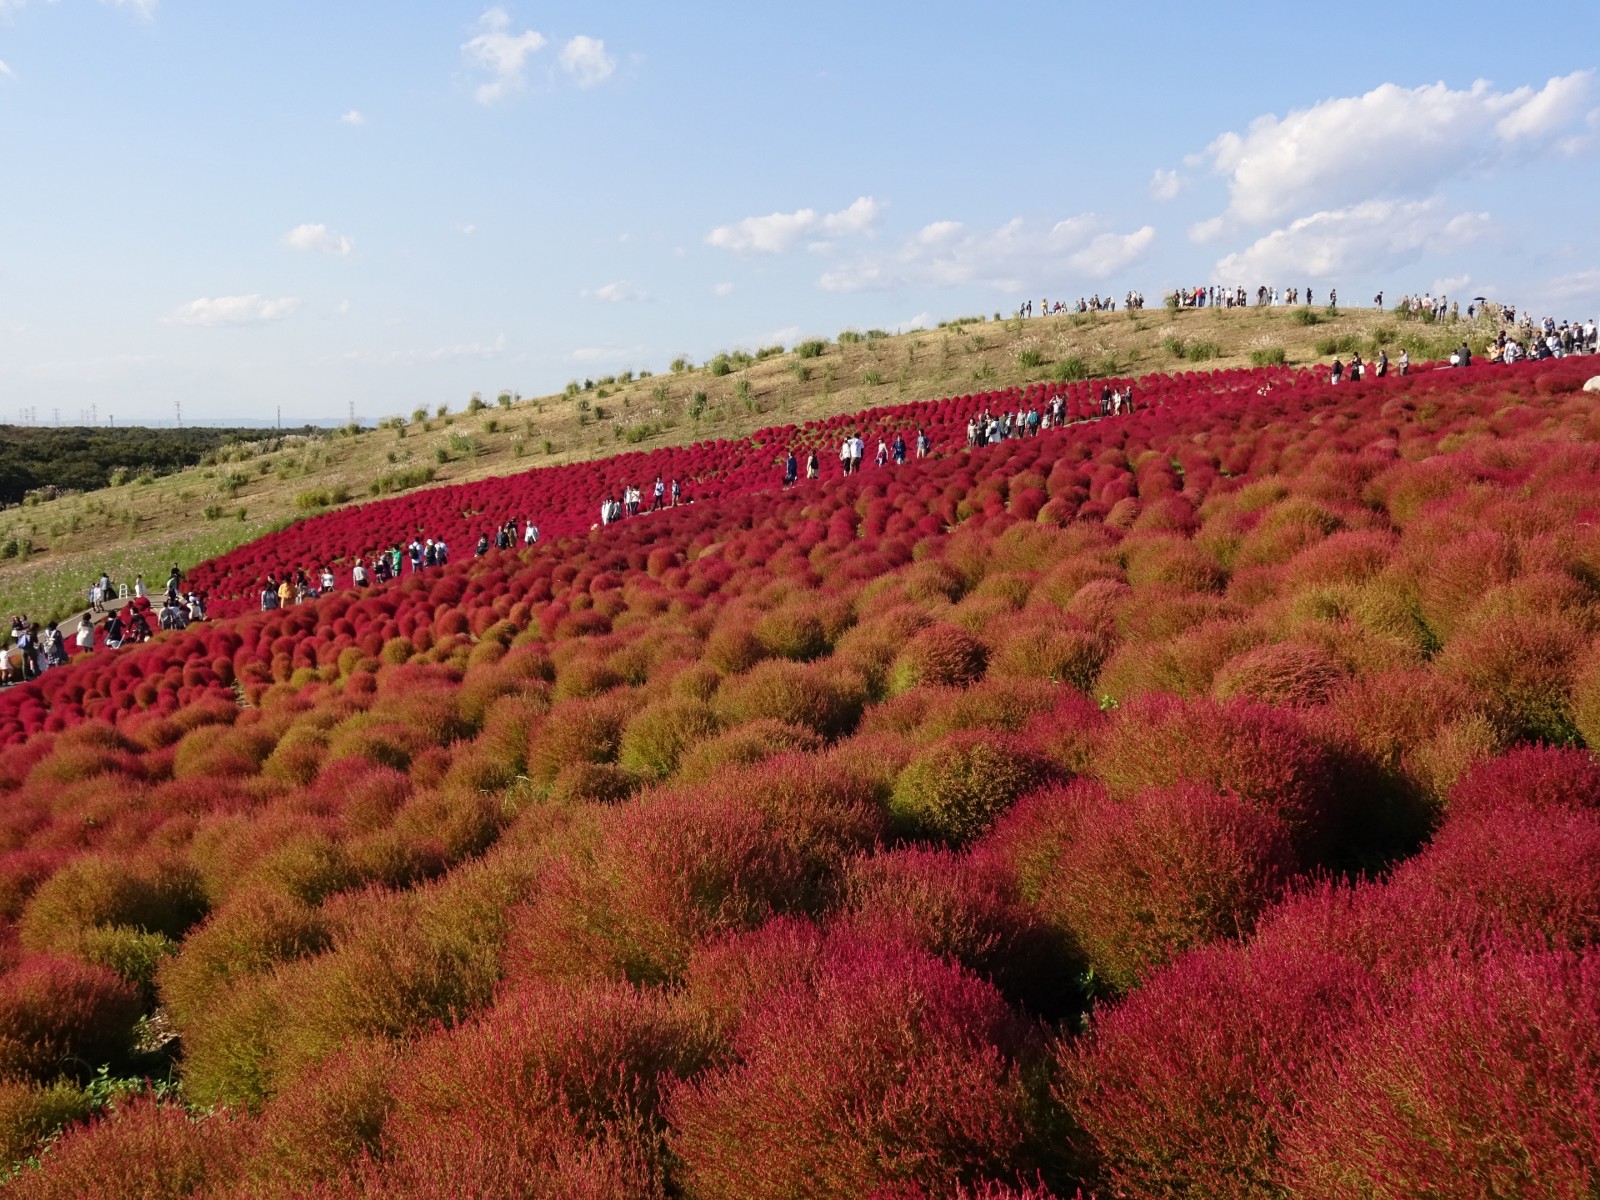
(1195,802)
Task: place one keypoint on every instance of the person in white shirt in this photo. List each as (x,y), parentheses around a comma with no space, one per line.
(85,638)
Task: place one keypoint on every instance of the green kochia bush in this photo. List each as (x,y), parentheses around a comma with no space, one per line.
(955,789)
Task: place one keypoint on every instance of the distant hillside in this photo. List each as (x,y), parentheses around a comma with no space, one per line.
(238,492)
(82,459)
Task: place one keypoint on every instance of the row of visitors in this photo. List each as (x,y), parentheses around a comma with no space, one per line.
(631,501)
(1212,296)
(1096,303)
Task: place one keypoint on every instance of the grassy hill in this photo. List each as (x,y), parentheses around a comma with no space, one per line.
(49,550)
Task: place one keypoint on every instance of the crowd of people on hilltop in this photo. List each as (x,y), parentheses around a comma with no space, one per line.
(1133,301)
(1266,296)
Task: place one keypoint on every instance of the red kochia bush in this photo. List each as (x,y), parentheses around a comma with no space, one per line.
(530,1098)
(964,906)
(1134,882)
(60,1015)
(140,1148)
(663,874)
(940,654)
(1184,1088)
(1537,870)
(890,1066)
(1535,776)
(1484,1081)
(1262,755)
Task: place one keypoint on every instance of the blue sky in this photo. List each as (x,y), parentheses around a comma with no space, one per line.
(247,204)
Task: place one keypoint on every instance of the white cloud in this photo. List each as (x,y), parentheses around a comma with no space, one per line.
(467,230)
(620,292)
(1375,236)
(142,8)
(1580,288)
(1165,185)
(722,289)
(920,321)
(232,310)
(1451,286)
(319,239)
(1015,257)
(448,353)
(5,70)
(354,117)
(778,232)
(500,54)
(1390,142)
(586,60)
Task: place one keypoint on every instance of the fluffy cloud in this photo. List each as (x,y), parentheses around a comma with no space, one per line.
(450,353)
(586,60)
(318,239)
(722,290)
(1015,257)
(1372,237)
(778,232)
(232,310)
(5,70)
(620,292)
(354,117)
(1165,185)
(143,8)
(500,54)
(1392,142)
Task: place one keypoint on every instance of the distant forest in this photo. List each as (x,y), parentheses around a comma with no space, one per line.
(82,459)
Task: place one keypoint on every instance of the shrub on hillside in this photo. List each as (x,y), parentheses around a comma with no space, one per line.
(577,731)
(1287,673)
(954,789)
(60,1016)
(1537,871)
(1263,756)
(1542,777)
(1186,1087)
(1060,652)
(663,875)
(963,906)
(1524,669)
(257,929)
(516,1101)
(659,735)
(157,896)
(889,1068)
(943,655)
(1481,1081)
(138,1147)
(745,745)
(796,693)
(32,1113)
(326,1120)
(1135,882)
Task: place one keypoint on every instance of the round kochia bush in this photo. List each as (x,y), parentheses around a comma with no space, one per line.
(887,1067)
(955,789)
(940,654)
(1134,882)
(1488,1072)
(1262,755)
(58,1015)
(1185,1087)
